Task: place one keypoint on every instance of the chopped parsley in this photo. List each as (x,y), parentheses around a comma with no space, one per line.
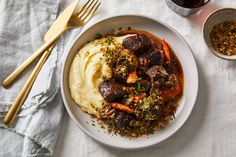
(110,40)
(104,77)
(137,87)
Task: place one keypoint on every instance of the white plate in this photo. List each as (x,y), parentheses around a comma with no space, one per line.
(183,52)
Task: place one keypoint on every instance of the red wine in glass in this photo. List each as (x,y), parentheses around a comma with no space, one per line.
(186,7)
(189,3)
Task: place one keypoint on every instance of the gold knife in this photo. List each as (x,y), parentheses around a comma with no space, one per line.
(16,105)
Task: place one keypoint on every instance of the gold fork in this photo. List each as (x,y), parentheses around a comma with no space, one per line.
(80,17)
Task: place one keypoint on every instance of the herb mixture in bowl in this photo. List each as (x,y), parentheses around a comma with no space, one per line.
(223,38)
(130,80)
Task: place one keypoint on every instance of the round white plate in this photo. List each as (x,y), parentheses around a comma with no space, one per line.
(183,52)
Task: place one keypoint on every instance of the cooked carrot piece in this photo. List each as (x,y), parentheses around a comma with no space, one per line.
(121,107)
(135,99)
(166,51)
(166,95)
(132,77)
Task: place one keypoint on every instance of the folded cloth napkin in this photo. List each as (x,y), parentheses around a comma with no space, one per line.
(22,27)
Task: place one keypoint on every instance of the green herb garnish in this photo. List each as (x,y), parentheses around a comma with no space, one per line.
(104,77)
(110,40)
(138,87)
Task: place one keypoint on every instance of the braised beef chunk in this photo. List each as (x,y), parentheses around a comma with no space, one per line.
(143,61)
(126,63)
(120,73)
(111,90)
(121,120)
(143,66)
(155,57)
(156,71)
(127,58)
(137,44)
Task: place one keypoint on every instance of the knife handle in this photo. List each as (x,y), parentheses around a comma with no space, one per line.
(16,105)
(14,75)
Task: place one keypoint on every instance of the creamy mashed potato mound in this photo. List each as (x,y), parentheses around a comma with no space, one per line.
(87,71)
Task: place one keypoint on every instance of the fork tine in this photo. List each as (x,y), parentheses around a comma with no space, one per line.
(81,10)
(85,7)
(91,12)
(94,2)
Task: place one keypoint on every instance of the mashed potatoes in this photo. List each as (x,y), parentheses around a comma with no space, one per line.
(87,71)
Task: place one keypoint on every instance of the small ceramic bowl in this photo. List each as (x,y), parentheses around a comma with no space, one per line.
(219,16)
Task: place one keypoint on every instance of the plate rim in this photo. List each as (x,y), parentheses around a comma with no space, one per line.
(99,22)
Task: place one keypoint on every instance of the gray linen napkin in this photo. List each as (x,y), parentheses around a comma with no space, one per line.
(22,27)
